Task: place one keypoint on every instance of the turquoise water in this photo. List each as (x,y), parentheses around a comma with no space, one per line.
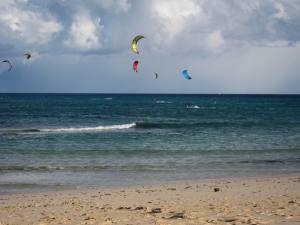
(50,140)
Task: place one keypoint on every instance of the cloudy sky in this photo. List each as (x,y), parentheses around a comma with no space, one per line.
(232,46)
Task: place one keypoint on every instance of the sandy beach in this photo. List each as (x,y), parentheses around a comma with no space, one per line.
(274,200)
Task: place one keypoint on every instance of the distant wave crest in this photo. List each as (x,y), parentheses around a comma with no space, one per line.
(163,102)
(198,107)
(193,107)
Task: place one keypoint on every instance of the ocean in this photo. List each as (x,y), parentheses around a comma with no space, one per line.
(77,140)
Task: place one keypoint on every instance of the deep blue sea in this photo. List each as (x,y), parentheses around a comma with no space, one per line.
(63,140)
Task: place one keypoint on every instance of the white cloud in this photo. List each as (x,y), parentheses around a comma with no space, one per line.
(281,12)
(173,16)
(215,41)
(84,34)
(32,26)
(116,5)
(214,25)
(171,26)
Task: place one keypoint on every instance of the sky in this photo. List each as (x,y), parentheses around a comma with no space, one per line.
(232,46)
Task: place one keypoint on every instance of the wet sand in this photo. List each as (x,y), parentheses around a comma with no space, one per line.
(221,201)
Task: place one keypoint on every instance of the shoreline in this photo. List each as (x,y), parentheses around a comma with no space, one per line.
(45,188)
(249,200)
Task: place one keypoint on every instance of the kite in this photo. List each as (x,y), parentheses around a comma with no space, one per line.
(135,40)
(186,75)
(9,63)
(135,65)
(27,55)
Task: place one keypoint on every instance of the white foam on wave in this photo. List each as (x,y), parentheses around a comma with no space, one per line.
(198,107)
(91,129)
(193,107)
(163,102)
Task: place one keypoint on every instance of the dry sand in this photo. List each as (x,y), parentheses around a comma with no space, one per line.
(230,201)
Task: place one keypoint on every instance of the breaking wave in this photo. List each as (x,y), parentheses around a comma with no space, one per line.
(69,129)
(88,129)
(193,107)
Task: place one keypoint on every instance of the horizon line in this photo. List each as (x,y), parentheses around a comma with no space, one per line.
(146,93)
